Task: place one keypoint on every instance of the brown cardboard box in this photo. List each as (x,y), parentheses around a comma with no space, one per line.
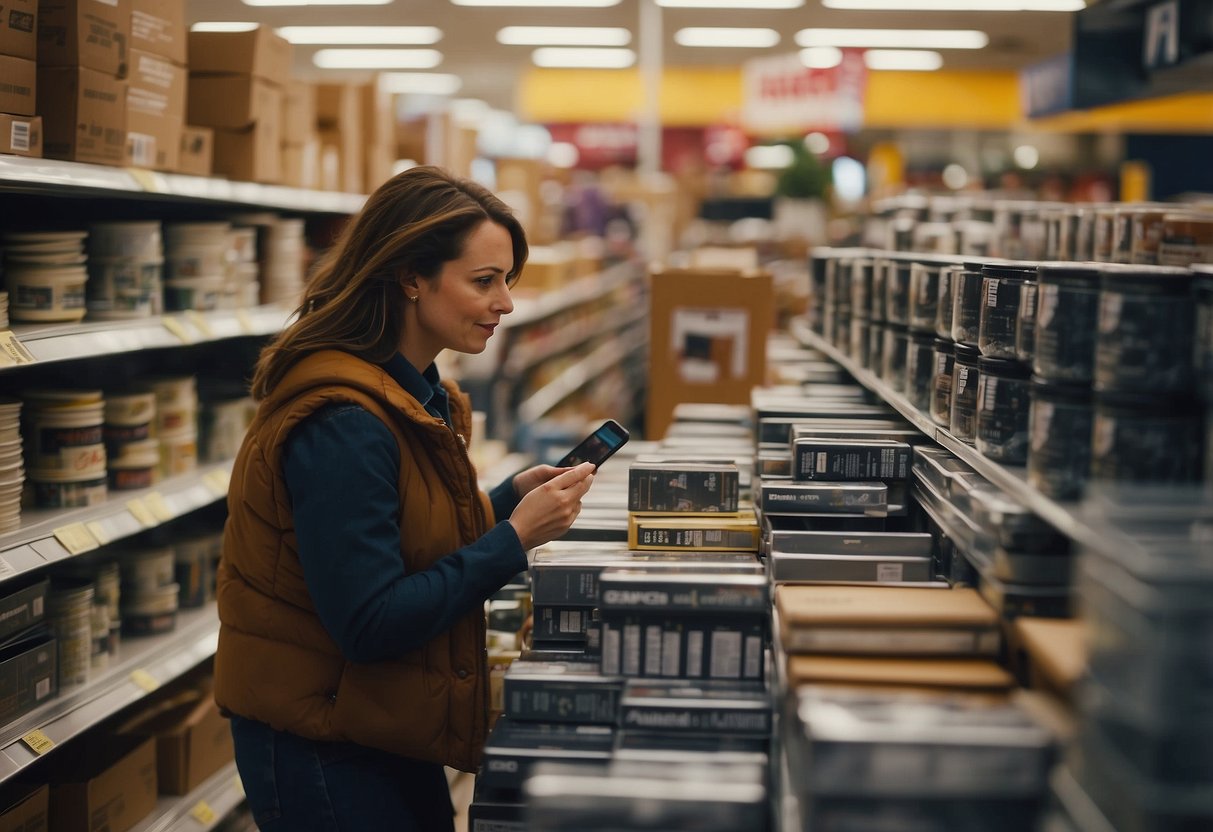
(348,153)
(707,340)
(298,112)
(108,785)
(251,154)
(28,813)
(301,164)
(377,166)
(90,33)
(158,26)
(155,111)
(21,135)
(83,115)
(18,86)
(1054,651)
(947,674)
(233,101)
(338,107)
(192,740)
(258,52)
(378,118)
(18,29)
(197,151)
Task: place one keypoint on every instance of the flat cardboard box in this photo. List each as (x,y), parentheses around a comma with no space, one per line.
(108,785)
(298,112)
(258,52)
(967,674)
(707,339)
(1055,651)
(233,102)
(872,606)
(18,29)
(28,676)
(18,86)
(85,33)
(27,813)
(158,27)
(83,115)
(249,155)
(197,151)
(193,740)
(155,112)
(338,107)
(21,135)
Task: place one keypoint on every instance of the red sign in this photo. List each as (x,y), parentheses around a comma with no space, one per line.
(781,94)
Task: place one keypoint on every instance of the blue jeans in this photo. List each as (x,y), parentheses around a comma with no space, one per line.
(299,785)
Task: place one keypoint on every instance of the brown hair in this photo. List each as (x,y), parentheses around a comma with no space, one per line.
(413,224)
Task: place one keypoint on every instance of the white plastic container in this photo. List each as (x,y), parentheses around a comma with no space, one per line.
(145,570)
(137,466)
(65,438)
(178,454)
(55,489)
(124,287)
(52,293)
(201,294)
(69,613)
(139,240)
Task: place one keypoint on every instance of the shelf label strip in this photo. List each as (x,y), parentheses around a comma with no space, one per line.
(144,680)
(178,329)
(200,322)
(141,512)
(38,742)
(156,504)
(76,538)
(12,352)
(203,813)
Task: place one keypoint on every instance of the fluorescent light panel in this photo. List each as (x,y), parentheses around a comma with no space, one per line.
(894,38)
(598,4)
(401,35)
(316,2)
(557,56)
(915,60)
(224,26)
(377,58)
(564,36)
(726,37)
(731,4)
(958,5)
(421,83)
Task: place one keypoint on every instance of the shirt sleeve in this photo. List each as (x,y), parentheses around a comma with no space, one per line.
(342,473)
(504,499)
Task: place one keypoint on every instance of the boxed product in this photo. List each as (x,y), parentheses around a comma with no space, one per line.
(734,752)
(787,538)
(974,675)
(18,32)
(249,155)
(301,164)
(85,33)
(193,740)
(561,623)
(683,486)
(514,747)
(298,112)
(865,499)
(494,816)
(28,674)
(677,532)
(672,591)
(108,784)
(197,151)
(857,568)
(683,645)
(233,101)
(704,707)
(561,692)
(18,89)
(83,115)
(819,458)
(258,52)
(26,808)
(158,27)
(23,603)
(155,111)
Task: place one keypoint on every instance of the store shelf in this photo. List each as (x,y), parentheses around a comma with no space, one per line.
(55,178)
(67,342)
(529,310)
(526,357)
(199,811)
(49,535)
(577,376)
(141,666)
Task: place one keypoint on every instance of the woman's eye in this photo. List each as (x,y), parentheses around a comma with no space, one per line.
(486,282)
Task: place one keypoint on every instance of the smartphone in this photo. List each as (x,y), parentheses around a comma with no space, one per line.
(598,446)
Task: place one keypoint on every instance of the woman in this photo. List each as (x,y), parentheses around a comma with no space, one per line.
(358,550)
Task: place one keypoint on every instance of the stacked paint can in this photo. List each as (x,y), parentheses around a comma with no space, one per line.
(69,610)
(282,274)
(196,265)
(224,417)
(12,464)
(133,454)
(45,274)
(125,263)
(3,310)
(64,447)
(243,289)
(149,591)
(176,423)
(195,553)
(105,620)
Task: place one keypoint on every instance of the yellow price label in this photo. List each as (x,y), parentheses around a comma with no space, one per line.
(141,512)
(178,329)
(144,680)
(146,179)
(245,320)
(203,813)
(217,481)
(238,785)
(13,352)
(38,742)
(200,322)
(158,507)
(76,538)
(98,530)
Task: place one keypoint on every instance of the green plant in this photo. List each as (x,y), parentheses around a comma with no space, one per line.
(805,178)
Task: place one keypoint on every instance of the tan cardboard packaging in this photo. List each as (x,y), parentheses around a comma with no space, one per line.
(18,28)
(251,154)
(298,113)
(21,135)
(301,164)
(83,115)
(90,33)
(158,26)
(155,111)
(259,52)
(339,117)
(109,785)
(917,674)
(197,151)
(232,101)
(28,814)
(347,151)
(18,86)
(192,740)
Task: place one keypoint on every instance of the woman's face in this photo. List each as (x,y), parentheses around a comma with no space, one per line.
(459,309)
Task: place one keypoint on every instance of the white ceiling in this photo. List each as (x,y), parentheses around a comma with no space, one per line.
(490,71)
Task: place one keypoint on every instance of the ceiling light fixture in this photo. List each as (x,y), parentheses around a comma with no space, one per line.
(400,35)
(731,4)
(224,26)
(598,4)
(377,58)
(894,38)
(420,83)
(821,57)
(316,2)
(958,5)
(769,156)
(556,56)
(726,37)
(564,36)
(911,60)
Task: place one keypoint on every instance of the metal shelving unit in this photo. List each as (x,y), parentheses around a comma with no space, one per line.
(200,810)
(577,376)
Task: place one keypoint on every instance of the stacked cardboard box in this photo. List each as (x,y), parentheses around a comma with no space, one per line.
(339,120)
(378,133)
(83,61)
(300,141)
(236,86)
(20,129)
(155,97)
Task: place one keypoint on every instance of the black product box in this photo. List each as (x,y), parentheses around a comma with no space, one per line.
(597,531)
(864,814)
(848,460)
(778,430)
(561,692)
(491,816)
(865,499)
(683,487)
(28,672)
(693,533)
(1013,600)
(23,607)
(707,707)
(767,406)
(780,537)
(637,590)
(687,646)
(513,747)
(561,623)
(725,414)
(772,464)
(541,652)
(825,522)
(876,569)
(683,748)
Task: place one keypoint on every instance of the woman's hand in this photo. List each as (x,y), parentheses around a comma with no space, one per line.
(550,507)
(527,481)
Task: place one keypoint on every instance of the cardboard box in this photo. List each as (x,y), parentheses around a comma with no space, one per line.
(338,108)
(259,52)
(251,154)
(298,113)
(108,785)
(83,115)
(158,27)
(18,86)
(27,813)
(18,29)
(197,150)
(22,605)
(707,339)
(28,674)
(378,118)
(301,164)
(377,164)
(347,152)
(155,111)
(87,33)
(233,102)
(192,740)
(21,135)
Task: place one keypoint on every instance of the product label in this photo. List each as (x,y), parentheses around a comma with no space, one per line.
(1047,303)
(694,653)
(889,572)
(725,654)
(19,136)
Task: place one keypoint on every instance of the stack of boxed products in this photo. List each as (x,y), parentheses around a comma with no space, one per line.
(20,128)
(642,701)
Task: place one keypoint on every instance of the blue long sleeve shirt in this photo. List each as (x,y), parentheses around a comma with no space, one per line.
(342,472)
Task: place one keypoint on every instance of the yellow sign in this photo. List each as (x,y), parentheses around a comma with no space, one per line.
(76,538)
(141,512)
(97,530)
(144,680)
(217,481)
(13,352)
(178,329)
(199,320)
(158,507)
(38,742)
(203,813)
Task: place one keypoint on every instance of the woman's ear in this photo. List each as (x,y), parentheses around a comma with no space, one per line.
(410,285)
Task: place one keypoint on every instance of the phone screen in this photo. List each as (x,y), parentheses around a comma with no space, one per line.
(598,446)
